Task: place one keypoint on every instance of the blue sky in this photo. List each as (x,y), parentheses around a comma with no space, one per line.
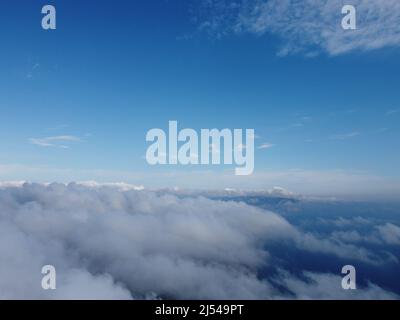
(115,69)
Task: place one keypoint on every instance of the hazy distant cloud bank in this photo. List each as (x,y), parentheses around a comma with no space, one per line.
(306,26)
(113,242)
(332,183)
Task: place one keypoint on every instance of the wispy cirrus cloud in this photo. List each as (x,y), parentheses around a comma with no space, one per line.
(32,70)
(308,27)
(344,136)
(265,146)
(56,141)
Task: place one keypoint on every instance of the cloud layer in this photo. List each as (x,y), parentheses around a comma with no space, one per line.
(332,183)
(116,243)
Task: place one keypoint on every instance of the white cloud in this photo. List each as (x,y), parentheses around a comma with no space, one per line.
(322,286)
(343,222)
(265,146)
(332,183)
(384,234)
(186,248)
(56,141)
(307,26)
(117,185)
(114,244)
(77,284)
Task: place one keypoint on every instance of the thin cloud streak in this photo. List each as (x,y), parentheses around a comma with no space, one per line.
(345,136)
(56,141)
(266,146)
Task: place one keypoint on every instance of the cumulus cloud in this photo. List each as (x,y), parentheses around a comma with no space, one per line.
(183,248)
(390,233)
(113,243)
(319,286)
(343,222)
(392,112)
(383,234)
(310,26)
